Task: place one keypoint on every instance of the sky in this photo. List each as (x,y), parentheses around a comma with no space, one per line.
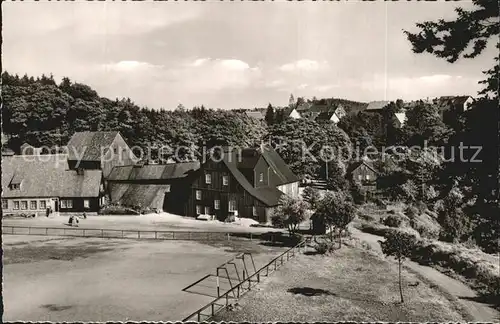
(236,54)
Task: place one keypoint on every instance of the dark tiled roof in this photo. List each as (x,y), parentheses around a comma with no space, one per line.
(133,194)
(47,176)
(86,146)
(326,115)
(262,193)
(377,105)
(356,164)
(153,172)
(255,114)
(279,166)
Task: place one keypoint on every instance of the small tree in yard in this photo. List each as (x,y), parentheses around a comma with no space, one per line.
(337,212)
(399,245)
(290,214)
(312,196)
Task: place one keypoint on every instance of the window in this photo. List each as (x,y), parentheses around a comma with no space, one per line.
(360,177)
(216,204)
(254,211)
(198,194)
(207,210)
(16,204)
(24,205)
(208,178)
(43,204)
(261,177)
(367,177)
(66,203)
(15,186)
(5,205)
(86,203)
(225,180)
(198,209)
(232,205)
(167,189)
(33,205)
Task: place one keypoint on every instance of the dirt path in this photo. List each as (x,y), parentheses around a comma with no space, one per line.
(464,295)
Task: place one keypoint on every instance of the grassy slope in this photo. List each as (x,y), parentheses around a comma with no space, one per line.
(351,285)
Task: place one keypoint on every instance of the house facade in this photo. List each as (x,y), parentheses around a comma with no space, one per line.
(364,173)
(333,114)
(99,151)
(247,183)
(31,184)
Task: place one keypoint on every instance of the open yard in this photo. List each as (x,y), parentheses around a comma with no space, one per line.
(93,279)
(350,285)
(162,221)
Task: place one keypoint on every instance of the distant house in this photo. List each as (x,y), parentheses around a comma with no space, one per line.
(99,151)
(157,187)
(376,106)
(400,119)
(364,173)
(255,114)
(244,183)
(457,103)
(451,106)
(292,113)
(333,114)
(33,184)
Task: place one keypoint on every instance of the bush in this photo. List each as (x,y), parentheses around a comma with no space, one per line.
(412,212)
(367,217)
(325,247)
(117,210)
(393,221)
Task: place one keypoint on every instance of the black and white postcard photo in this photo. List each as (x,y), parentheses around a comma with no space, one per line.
(250,161)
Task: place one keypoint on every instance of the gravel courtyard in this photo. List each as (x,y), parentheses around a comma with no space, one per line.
(93,279)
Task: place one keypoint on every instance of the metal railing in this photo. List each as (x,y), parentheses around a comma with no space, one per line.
(131,234)
(244,286)
(116,233)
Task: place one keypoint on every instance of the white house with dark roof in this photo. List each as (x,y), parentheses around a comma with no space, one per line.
(33,183)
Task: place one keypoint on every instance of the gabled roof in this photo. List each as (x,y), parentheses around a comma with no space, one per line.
(153,172)
(377,105)
(134,194)
(326,115)
(401,117)
(86,146)
(304,106)
(270,196)
(47,176)
(357,164)
(255,114)
(278,166)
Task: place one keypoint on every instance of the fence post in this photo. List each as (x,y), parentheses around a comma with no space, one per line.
(212,309)
(267,271)
(227,299)
(102,233)
(138,234)
(238,291)
(199,317)
(275,265)
(258,276)
(227,234)
(173,235)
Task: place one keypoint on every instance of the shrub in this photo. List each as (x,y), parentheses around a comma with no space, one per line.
(367,217)
(117,210)
(393,221)
(411,212)
(325,247)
